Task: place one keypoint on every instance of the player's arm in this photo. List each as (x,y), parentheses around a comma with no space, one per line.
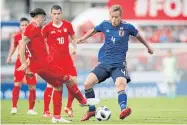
(87,35)
(22,48)
(11,52)
(73,46)
(142,40)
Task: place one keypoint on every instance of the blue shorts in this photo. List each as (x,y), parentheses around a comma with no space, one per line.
(103,71)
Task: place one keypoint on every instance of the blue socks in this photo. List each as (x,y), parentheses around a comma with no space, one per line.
(90,94)
(122,99)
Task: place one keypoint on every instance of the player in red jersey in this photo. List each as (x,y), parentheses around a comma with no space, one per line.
(19,76)
(45,65)
(57,34)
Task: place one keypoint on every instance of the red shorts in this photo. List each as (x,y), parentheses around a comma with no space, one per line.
(51,73)
(19,76)
(67,66)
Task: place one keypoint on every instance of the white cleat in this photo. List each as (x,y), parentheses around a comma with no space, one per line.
(60,120)
(13,111)
(32,112)
(91,101)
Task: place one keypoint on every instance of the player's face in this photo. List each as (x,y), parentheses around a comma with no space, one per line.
(115,18)
(23,25)
(56,15)
(41,19)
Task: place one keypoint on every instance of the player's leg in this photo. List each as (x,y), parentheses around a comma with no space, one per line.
(98,75)
(121,78)
(54,73)
(173,89)
(15,97)
(68,109)
(57,105)
(47,98)
(32,94)
(18,78)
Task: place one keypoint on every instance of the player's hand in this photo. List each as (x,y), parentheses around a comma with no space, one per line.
(28,61)
(150,51)
(72,51)
(29,73)
(8,61)
(23,67)
(80,40)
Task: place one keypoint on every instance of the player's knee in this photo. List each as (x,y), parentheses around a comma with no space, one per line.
(120,83)
(49,86)
(17,84)
(74,78)
(32,87)
(59,88)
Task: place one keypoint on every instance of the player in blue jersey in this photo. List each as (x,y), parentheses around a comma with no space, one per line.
(112,58)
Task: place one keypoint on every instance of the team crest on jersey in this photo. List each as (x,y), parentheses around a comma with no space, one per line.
(65,29)
(121,32)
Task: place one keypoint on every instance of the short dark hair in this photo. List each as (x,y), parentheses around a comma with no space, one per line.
(23,19)
(56,7)
(36,12)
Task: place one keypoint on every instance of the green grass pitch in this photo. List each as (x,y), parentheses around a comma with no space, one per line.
(144,111)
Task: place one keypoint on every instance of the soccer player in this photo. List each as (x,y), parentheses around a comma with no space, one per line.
(170,73)
(19,76)
(112,58)
(45,65)
(57,34)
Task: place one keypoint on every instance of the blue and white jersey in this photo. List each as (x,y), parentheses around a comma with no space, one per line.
(113,52)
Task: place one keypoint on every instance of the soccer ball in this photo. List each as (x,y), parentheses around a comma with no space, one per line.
(103,113)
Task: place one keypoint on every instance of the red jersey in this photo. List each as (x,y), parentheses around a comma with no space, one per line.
(36,46)
(17,38)
(58,38)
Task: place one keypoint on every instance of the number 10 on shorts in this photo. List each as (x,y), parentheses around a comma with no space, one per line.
(60,40)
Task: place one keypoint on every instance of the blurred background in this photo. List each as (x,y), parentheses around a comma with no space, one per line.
(163,23)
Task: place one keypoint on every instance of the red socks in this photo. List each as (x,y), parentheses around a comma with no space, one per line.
(15,96)
(57,103)
(70,99)
(76,93)
(32,98)
(47,98)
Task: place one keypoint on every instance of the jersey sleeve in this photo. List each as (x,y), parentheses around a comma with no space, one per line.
(71,31)
(99,28)
(133,30)
(30,32)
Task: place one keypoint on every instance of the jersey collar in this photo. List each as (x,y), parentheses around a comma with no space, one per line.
(57,26)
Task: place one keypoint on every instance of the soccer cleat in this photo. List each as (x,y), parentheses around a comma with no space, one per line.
(90,101)
(55,120)
(88,115)
(47,114)
(69,111)
(31,112)
(124,113)
(14,110)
